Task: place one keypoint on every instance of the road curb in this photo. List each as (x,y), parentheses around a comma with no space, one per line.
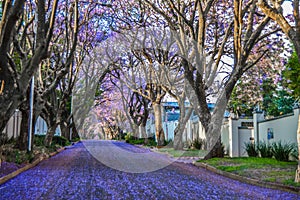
(249,180)
(29,166)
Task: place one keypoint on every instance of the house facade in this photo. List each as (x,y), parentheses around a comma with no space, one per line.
(235,131)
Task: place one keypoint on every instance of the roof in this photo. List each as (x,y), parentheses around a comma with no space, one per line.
(175,104)
(172,116)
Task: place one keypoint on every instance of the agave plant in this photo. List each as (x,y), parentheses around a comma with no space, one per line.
(251,149)
(265,150)
(282,151)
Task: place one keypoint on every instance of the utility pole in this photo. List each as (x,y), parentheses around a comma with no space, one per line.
(71,119)
(30,114)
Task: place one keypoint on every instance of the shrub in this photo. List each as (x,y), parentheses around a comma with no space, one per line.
(3,139)
(30,156)
(122,134)
(39,140)
(265,150)
(18,158)
(281,151)
(12,140)
(295,153)
(60,140)
(151,142)
(136,141)
(198,143)
(127,137)
(168,142)
(77,139)
(251,149)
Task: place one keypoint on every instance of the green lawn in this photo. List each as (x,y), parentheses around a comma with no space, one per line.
(265,169)
(185,153)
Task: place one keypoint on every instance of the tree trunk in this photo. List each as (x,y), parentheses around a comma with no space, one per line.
(178,132)
(12,89)
(183,119)
(216,151)
(49,135)
(0,155)
(297,48)
(13,86)
(143,133)
(10,99)
(159,131)
(135,131)
(75,133)
(213,140)
(297,177)
(64,130)
(22,143)
(213,131)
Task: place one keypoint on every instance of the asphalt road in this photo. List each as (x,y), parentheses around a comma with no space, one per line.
(116,170)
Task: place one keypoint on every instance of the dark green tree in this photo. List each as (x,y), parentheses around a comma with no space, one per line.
(291,75)
(276,99)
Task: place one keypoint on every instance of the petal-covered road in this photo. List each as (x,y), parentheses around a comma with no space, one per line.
(76,174)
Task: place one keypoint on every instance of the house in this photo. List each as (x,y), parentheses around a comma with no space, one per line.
(235,132)
(171,113)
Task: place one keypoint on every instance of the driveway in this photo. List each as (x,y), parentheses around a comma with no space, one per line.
(116,170)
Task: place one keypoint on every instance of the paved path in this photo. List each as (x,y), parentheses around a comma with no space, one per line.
(76,174)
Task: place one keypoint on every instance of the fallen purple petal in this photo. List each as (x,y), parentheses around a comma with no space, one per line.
(76,174)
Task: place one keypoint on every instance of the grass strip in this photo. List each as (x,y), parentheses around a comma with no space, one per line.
(183,153)
(264,169)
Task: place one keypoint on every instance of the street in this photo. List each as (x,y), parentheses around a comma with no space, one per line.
(117,170)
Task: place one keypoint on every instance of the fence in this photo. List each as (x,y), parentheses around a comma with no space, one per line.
(13,126)
(12,129)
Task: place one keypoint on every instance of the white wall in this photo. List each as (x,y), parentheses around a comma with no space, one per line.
(194,130)
(284,128)
(244,135)
(234,125)
(188,132)
(41,127)
(234,135)
(225,137)
(150,126)
(12,128)
(169,128)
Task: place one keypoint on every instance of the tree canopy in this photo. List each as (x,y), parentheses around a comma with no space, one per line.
(291,75)
(196,51)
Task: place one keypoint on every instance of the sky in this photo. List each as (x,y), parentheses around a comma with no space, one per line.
(287,7)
